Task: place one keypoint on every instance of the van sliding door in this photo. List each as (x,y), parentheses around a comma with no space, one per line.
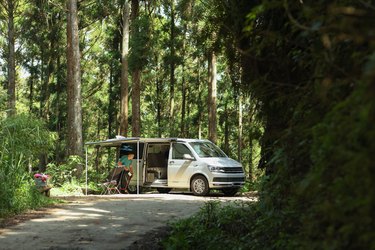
(179,169)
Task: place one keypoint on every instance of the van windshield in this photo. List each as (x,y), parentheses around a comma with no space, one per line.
(207,149)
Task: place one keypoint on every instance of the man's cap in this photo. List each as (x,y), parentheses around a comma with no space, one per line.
(126,148)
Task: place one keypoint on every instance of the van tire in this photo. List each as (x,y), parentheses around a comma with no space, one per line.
(199,186)
(164,190)
(132,189)
(230,191)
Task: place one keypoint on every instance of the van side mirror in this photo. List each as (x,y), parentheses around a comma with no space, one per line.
(188,157)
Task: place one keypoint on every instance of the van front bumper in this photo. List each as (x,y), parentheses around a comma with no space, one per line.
(228,182)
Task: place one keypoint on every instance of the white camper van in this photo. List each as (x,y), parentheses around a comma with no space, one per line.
(174,163)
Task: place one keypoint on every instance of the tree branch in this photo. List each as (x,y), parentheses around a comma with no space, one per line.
(4,6)
(293,20)
(93,43)
(61,7)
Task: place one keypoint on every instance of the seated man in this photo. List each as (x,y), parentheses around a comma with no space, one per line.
(125,162)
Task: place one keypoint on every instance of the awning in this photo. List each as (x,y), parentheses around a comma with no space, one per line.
(117,142)
(113,142)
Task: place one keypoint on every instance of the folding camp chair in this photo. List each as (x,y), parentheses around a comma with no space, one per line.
(111,186)
(117,181)
(124,181)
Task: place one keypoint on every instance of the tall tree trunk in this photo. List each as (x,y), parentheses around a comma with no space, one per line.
(124,109)
(11,61)
(59,113)
(172,70)
(46,79)
(251,167)
(226,129)
(183,87)
(31,87)
(183,108)
(75,143)
(111,102)
(136,80)
(158,105)
(251,144)
(240,127)
(199,103)
(43,109)
(212,127)
(188,132)
(136,103)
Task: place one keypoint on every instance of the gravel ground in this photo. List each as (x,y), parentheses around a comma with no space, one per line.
(102,222)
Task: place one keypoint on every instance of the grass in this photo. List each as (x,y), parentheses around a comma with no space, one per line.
(215,226)
(17,188)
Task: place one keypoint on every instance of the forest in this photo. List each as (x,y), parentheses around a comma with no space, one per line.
(286,87)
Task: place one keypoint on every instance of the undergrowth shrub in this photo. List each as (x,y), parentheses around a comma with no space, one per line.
(215,226)
(63,173)
(22,139)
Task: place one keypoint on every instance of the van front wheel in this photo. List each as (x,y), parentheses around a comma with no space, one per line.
(199,185)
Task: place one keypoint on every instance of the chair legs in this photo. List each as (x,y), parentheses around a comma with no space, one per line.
(116,186)
(110,188)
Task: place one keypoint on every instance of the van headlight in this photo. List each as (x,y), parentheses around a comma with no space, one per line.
(216,169)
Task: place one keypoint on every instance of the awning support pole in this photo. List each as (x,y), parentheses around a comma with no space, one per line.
(86,168)
(138,167)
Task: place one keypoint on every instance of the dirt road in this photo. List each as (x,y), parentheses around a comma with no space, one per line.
(101,222)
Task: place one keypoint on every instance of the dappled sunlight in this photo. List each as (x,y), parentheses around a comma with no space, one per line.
(7,232)
(180,196)
(106,221)
(91,209)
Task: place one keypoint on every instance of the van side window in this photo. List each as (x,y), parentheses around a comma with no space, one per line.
(178,151)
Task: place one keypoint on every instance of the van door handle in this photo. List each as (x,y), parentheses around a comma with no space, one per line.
(171,162)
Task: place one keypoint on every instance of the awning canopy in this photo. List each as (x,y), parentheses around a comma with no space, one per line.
(116,142)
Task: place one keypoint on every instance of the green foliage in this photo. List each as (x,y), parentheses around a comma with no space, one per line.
(214,227)
(140,43)
(316,102)
(305,71)
(343,193)
(21,138)
(64,173)
(310,66)
(71,188)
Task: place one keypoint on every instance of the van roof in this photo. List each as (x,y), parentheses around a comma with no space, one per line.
(114,142)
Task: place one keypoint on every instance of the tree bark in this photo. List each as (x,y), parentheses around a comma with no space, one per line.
(111,102)
(59,113)
(172,70)
(240,127)
(136,80)
(124,108)
(46,79)
(183,87)
(136,103)
(31,87)
(11,61)
(158,105)
(212,93)
(226,129)
(75,143)
(183,105)
(199,102)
